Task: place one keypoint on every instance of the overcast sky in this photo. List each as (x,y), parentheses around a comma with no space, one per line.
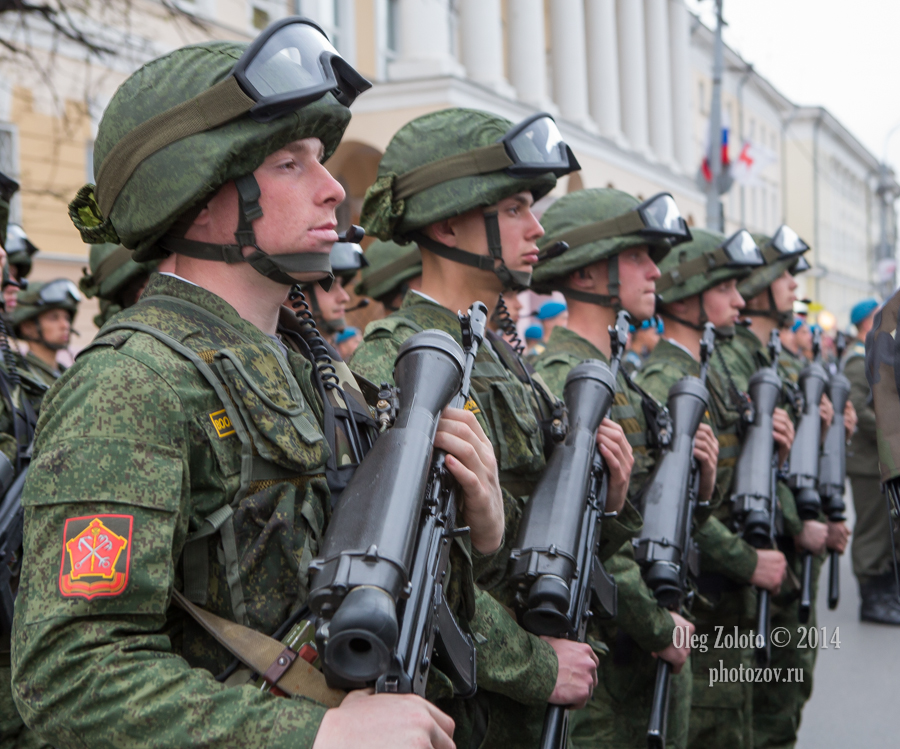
(834,53)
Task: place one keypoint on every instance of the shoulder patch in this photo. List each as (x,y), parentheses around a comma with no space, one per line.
(96,556)
(472,406)
(222,423)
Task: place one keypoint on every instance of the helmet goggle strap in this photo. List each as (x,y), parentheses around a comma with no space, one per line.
(274,267)
(738,251)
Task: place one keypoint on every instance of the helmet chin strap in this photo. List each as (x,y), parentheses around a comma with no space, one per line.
(512,280)
(275,267)
(781,318)
(610,299)
(692,325)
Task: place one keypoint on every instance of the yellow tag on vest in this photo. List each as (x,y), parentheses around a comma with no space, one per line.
(472,406)
(222,423)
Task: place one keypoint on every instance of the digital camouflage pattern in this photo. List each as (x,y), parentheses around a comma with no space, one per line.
(39,370)
(704,241)
(129,431)
(427,139)
(506,410)
(577,209)
(391,265)
(171,181)
(721,715)
(112,271)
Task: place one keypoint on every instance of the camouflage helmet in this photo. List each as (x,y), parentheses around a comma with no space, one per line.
(390,266)
(437,167)
(788,258)
(8,188)
(138,204)
(698,265)
(19,249)
(43,297)
(577,219)
(112,270)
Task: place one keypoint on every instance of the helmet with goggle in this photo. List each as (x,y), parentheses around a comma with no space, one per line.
(782,252)
(706,261)
(112,273)
(43,297)
(8,188)
(188,122)
(19,250)
(391,266)
(450,162)
(347,259)
(599,224)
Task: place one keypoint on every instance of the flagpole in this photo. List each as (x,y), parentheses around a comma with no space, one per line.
(713,201)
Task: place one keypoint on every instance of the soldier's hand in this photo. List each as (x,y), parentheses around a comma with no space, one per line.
(812,537)
(838,536)
(384,721)
(471,461)
(678,656)
(826,414)
(706,451)
(850,419)
(783,432)
(619,458)
(577,675)
(771,566)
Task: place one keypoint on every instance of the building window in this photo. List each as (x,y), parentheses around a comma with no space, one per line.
(336,17)
(9,165)
(387,34)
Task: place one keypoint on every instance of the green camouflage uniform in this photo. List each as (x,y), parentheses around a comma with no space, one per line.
(525,669)
(721,715)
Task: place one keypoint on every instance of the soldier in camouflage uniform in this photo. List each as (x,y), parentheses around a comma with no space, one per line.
(769,291)
(589,222)
(184,455)
(329,307)
(477,236)
(43,319)
(698,285)
(393,270)
(871,548)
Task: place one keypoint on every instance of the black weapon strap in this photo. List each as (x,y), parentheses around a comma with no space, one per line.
(656,414)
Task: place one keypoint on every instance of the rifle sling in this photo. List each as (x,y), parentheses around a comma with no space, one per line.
(261,653)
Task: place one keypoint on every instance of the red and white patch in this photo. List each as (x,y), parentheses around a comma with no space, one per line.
(96,556)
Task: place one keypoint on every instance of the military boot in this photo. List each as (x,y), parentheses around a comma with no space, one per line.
(880,603)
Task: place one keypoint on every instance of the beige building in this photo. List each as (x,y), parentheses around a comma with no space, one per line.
(627,80)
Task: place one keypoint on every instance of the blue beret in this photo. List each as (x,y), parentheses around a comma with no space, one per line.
(534,333)
(798,323)
(861,310)
(346,334)
(550,309)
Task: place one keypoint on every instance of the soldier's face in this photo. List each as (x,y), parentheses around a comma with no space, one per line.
(298,200)
(637,282)
(784,292)
(56,326)
(332,303)
(723,303)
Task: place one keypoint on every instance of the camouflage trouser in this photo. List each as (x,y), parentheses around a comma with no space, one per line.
(777,707)
(870,545)
(13,733)
(721,714)
(618,713)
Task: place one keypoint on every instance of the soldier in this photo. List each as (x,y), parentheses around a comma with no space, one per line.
(552,315)
(770,293)
(699,285)
(472,221)
(183,455)
(392,270)
(330,307)
(871,549)
(115,279)
(43,319)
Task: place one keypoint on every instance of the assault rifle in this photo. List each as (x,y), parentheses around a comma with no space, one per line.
(664,549)
(803,470)
(755,479)
(833,469)
(378,585)
(560,581)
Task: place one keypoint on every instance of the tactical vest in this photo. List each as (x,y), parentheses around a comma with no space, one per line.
(245,560)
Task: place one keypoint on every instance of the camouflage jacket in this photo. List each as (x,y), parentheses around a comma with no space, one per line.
(136,452)
(862,455)
(39,370)
(730,555)
(506,410)
(639,615)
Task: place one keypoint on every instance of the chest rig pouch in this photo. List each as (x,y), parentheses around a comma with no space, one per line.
(261,556)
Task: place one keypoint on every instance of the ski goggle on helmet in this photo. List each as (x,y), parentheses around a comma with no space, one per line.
(57,292)
(785,244)
(738,251)
(289,65)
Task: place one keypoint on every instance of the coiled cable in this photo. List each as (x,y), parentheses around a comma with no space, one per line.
(508,326)
(310,333)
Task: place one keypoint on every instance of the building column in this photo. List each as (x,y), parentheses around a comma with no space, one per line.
(424,27)
(633,74)
(527,53)
(603,68)
(570,90)
(659,81)
(481,44)
(679,48)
